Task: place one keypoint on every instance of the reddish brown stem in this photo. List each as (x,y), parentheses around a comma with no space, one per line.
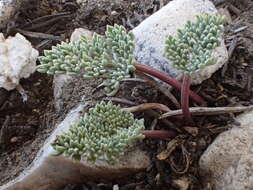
(167,79)
(158,134)
(185,98)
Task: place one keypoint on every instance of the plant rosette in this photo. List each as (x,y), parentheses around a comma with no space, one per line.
(49,171)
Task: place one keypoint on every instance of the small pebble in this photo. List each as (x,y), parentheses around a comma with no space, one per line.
(115,187)
(14,139)
(114,13)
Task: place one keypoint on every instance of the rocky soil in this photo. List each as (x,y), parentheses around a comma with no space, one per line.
(24,126)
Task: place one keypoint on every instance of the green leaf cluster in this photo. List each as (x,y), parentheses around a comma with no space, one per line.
(103,133)
(190,51)
(109,57)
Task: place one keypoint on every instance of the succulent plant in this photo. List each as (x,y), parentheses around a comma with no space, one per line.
(191,49)
(103,133)
(109,57)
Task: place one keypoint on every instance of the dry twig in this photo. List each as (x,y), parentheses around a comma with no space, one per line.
(49,19)
(234,9)
(208,111)
(250,77)
(161,134)
(147,106)
(39,35)
(240,29)
(230,53)
(120,100)
(4,132)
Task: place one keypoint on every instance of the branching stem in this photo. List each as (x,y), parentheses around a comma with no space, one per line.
(158,134)
(185,98)
(167,79)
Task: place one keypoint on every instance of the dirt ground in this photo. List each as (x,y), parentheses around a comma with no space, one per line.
(25,125)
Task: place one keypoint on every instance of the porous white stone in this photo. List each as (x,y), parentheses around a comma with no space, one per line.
(53,172)
(228,162)
(151,34)
(17,60)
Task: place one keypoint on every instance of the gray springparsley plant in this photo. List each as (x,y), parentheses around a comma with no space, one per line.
(108,57)
(103,133)
(191,49)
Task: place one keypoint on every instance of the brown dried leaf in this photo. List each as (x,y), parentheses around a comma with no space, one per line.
(171,146)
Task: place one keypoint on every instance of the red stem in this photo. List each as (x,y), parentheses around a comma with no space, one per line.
(185,98)
(167,79)
(158,134)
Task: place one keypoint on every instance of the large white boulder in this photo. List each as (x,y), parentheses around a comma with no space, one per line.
(151,34)
(228,162)
(17,60)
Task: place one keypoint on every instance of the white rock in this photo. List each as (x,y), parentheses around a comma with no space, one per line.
(150,36)
(53,172)
(17,60)
(78,32)
(228,162)
(115,187)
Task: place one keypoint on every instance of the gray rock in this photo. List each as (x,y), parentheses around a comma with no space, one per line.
(228,162)
(151,35)
(59,84)
(53,172)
